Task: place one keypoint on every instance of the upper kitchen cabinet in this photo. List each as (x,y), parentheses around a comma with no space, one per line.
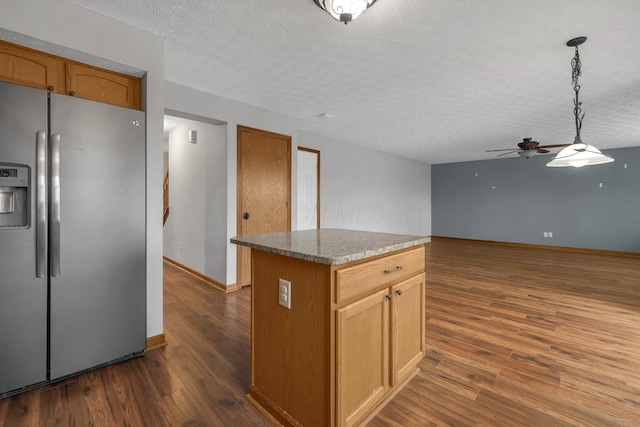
(85,81)
(30,67)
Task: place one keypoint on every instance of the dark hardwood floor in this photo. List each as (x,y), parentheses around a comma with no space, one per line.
(199,379)
(515,337)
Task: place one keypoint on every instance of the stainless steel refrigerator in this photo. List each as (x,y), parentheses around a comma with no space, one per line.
(72,236)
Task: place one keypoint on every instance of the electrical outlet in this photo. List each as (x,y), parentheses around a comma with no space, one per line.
(551,234)
(545,233)
(284,293)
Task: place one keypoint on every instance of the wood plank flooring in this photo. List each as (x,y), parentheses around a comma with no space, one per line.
(525,337)
(513,339)
(199,379)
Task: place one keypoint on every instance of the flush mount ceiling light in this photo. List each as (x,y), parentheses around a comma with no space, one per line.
(344,10)
(578,154)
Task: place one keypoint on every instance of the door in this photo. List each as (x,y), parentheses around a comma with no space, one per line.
(264,189)
(98,284)
(362,356)
(407,330)
(23,295)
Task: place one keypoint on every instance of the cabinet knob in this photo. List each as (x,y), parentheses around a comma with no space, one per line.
(50,87)
(399,292)
(72,92)
(245,215)
(389,296)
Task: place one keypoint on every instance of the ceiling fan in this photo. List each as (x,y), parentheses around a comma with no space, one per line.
(528,148)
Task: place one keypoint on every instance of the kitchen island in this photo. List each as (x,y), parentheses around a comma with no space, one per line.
(337,323)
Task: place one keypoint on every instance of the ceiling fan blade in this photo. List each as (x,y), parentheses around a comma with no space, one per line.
(542,150)
(510,152)
(504,149)
(553,146)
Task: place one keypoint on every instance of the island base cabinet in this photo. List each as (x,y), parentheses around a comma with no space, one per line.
(350,340)
(380,341)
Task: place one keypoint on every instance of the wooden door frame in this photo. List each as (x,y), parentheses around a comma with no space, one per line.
(239,132)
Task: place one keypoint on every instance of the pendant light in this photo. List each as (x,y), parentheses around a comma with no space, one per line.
(344,10)
(578,154)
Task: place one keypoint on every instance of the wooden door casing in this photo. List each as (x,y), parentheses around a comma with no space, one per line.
(264,189)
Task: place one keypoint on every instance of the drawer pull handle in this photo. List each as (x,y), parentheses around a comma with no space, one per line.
(393,270)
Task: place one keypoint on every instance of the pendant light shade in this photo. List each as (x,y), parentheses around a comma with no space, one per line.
(578,154)
(344,10)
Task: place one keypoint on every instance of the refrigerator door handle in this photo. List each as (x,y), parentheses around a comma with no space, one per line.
(54,234)
(41,204)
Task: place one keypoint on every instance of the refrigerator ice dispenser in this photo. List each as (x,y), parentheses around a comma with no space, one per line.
(14,196)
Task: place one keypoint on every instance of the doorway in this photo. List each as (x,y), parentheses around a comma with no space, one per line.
(195,230)
(308,182)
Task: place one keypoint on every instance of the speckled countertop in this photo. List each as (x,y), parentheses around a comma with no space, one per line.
(328,245)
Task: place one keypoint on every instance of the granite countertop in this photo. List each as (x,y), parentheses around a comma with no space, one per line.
(330,246)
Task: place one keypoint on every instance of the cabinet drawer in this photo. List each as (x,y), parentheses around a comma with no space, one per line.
(361,278)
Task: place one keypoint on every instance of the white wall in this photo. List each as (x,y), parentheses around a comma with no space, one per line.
(307,208)
(67,30)
(191,101)
(195,231)
(360,188)
(363,189)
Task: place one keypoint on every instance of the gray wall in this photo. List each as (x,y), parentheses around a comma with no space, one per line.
(517,200)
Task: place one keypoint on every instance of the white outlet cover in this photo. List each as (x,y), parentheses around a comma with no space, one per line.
(284,293)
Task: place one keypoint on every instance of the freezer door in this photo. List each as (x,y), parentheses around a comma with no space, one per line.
(23,295)
(97,241)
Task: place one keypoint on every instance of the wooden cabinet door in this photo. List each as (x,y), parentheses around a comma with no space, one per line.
(85,81)
(29,67)
(362,359)
(407,327)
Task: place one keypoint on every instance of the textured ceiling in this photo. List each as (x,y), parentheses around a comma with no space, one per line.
(435,80)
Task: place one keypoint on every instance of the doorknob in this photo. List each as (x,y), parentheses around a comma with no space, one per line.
(245,215)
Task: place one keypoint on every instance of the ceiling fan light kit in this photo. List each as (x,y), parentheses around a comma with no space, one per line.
(344,10)
(578,154)
(527,153)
